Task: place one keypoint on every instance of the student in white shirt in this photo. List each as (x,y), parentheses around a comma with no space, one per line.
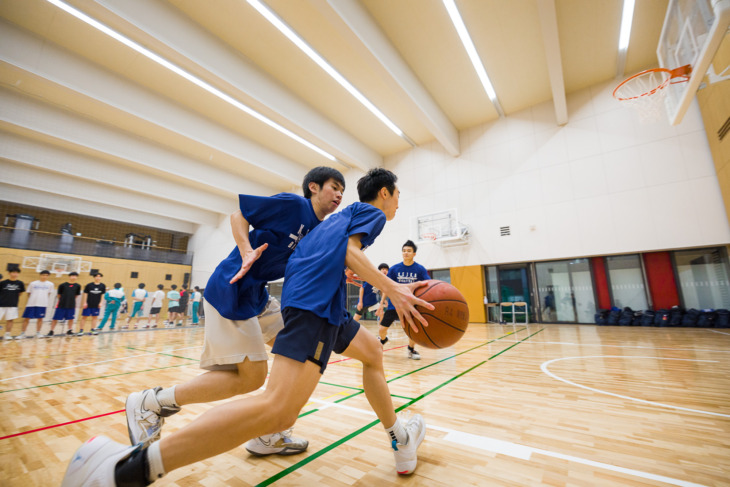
(139,296)
(39,297)
(157,299)
(195,298)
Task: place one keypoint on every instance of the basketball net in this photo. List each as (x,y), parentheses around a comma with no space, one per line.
(429,236)
(645,91)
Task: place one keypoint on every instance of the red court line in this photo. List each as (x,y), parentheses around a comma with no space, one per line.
(120,411)
(60,424)
(344,359)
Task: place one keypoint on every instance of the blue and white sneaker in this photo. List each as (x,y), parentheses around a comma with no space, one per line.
(277,444)
(145,425)
(406,457)
(93,464)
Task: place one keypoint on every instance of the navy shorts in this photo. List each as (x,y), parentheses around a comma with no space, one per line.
(64,314)
(155,311)
(90,312)
(33,312)
(389,317)
(306,336)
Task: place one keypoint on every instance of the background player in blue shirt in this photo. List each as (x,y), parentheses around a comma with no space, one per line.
(241,317)
(316,322)
(406,272)
(368,295)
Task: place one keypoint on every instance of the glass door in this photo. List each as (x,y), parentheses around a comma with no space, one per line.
(566,291)
(491,277)
(514,287)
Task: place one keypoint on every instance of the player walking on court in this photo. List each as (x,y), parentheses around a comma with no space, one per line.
(139,296)
(114,299)
(406,272)
(368,295)
(39,297)
(195,297)
(316,323)
(156,306)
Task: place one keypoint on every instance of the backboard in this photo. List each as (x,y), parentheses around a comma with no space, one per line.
(691,35)
(57,264)
(441,227)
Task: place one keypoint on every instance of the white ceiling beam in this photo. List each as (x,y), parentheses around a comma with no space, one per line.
(364,32)
(48,157)
(172,28)
(60,202)
(22,112)
(21,175)
(48,61)
(551,41)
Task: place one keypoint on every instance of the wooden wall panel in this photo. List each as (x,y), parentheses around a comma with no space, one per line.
(470,281)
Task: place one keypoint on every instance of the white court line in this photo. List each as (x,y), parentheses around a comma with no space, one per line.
(544,368)
(91,363)
(523,452)
(721,332)
(618,346)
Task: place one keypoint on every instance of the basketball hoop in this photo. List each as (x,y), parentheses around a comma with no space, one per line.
(429,236)
(645,93)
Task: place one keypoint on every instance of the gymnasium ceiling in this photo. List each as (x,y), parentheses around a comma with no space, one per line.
(89,125)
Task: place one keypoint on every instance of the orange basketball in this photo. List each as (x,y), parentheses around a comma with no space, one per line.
(448,320)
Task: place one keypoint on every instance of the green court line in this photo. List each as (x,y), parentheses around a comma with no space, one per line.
(337,443)
(340,385)
(93,378)
(162,353)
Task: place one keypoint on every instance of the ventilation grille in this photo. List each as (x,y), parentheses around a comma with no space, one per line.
(724,129)
(504,231)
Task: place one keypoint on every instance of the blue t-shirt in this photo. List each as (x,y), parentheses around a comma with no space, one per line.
(315,276)
(369,296)
(281,221)
(406,274)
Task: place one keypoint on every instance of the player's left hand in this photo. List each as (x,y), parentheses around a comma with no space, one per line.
(247,261)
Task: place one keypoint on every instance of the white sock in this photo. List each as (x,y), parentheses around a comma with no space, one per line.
(397,432)
(166,397)
(154,461)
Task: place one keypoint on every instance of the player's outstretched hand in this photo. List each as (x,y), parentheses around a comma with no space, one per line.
(405,304)
(247,261)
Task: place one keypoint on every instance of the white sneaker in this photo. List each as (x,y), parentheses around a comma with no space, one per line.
(413,354)
(278,443)
(94,462)
(406,458)
(21,336)
(144,425)
(8,336)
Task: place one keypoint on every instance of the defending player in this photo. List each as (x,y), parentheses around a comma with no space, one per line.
(240,316)
(316,323)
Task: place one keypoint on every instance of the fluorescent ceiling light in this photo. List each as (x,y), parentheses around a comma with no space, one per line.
(314,56)
(472,52)
(197,81)
(627,17)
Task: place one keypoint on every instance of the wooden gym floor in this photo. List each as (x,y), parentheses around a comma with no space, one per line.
(508,405)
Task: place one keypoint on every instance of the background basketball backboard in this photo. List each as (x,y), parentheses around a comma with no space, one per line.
(692,33)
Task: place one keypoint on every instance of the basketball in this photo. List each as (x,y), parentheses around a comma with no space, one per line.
(448,320)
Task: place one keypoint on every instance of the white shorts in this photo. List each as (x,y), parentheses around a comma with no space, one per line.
(8,313)
(229,342)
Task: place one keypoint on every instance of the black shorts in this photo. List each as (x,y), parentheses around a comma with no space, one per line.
(306,336)
(155,311)
(389,317)
(173,309)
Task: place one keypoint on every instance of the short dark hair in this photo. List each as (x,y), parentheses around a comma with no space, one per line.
(174,286)
(117,285)
(409,243)
(197,288)
(74,273)
(320,175)
(14,269)
(383,266)
(99,274)
(160,286)
(372,182)
(141,285)
(45,272)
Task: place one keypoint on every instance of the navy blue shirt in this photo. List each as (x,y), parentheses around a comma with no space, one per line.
(281,221)
(315,276)
(369,296)
(406,274)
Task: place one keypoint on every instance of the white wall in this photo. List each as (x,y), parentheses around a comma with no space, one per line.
(210,246)
(601,184)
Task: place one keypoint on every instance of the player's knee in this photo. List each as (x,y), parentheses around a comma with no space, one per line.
(373,355)
(251,376)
